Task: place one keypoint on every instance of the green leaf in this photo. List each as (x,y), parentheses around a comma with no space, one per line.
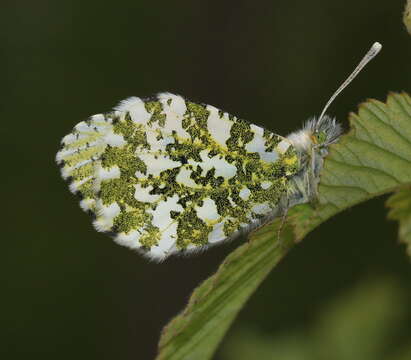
(407,16)
(400,204)
(360,324)
(374,158)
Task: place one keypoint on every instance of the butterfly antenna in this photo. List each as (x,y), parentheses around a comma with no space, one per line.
(374,50)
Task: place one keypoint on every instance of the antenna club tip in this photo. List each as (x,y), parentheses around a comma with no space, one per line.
(376,46)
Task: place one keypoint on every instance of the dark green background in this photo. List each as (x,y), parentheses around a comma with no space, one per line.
(68,292)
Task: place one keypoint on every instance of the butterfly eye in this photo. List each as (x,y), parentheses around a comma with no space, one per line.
(320,137)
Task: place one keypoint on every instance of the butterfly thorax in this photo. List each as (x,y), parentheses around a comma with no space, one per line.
(311,144)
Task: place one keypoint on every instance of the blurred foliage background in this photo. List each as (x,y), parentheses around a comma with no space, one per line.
(69,292)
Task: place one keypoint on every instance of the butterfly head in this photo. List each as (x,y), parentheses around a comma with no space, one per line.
(324,131)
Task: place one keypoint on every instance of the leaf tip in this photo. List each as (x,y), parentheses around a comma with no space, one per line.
(407,16)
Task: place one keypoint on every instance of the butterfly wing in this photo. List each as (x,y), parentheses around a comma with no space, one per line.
(167,175)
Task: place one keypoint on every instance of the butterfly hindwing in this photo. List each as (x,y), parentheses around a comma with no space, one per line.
(166,175)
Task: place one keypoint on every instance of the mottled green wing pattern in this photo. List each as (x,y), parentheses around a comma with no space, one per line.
(167,175)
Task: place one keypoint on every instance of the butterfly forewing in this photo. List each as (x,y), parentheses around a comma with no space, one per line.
(167,175)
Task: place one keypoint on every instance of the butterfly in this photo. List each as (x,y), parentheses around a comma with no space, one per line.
(165,175)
